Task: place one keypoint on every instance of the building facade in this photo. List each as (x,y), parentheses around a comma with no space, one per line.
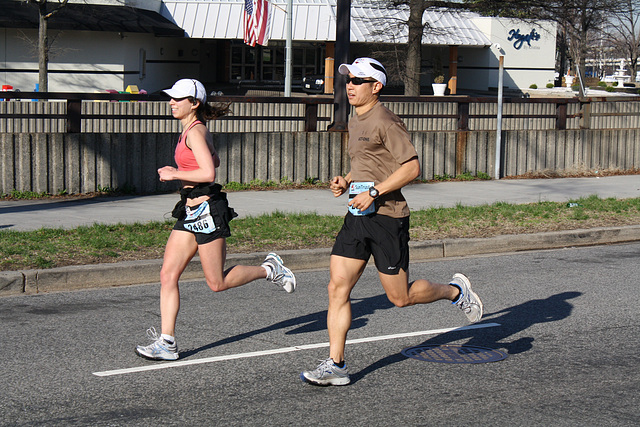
(113,44)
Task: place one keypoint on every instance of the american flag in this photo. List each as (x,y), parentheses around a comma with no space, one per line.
(256,22)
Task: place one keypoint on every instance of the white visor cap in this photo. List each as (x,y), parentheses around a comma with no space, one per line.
(365,67)
(187,87)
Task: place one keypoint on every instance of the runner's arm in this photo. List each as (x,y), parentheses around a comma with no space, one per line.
(206,172)
(339,184)
(406,173)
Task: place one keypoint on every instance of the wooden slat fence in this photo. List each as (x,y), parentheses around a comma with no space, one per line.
(88,162)
(251,114)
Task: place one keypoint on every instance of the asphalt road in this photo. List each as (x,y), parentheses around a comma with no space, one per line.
(568,320)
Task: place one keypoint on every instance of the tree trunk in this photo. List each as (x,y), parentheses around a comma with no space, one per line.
(43,49)
(414,49)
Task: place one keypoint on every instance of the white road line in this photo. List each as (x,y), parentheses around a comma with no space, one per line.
(282,350)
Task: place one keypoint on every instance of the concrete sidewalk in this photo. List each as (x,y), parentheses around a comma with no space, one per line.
(70,213)
(30,215)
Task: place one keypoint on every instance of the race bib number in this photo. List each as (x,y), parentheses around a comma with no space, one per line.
(356,188)
(199,220)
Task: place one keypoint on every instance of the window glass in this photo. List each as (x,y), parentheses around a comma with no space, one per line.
(266,56)
(236,72)
(310,56)
(236,55)
(250,55)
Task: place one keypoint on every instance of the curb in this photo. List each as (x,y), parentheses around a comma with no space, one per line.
(70,278)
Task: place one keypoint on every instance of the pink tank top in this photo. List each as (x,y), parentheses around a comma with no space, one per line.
(183,156)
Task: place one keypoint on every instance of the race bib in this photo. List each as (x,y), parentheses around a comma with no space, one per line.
(356,188)
(199,220)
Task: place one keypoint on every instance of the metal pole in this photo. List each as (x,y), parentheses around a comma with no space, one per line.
(499,125)
(288,68)
(343,30)
(583,88)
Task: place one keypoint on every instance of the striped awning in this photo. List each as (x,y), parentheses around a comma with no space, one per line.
(315,20)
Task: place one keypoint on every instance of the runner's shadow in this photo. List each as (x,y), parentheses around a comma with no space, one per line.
(512,320)
(47,204)
(313,322)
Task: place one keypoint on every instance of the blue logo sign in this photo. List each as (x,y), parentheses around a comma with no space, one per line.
(519,39)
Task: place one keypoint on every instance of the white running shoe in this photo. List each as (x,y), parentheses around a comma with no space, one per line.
(278,273)
(327,373)
(468,301)
(159,349)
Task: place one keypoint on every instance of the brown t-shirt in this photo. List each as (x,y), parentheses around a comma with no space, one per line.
(378,145)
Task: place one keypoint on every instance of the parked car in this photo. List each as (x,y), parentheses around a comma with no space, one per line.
(313,84)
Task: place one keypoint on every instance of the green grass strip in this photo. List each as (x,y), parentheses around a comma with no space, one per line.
(48,248)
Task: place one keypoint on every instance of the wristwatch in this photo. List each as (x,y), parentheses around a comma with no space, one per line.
(373,192)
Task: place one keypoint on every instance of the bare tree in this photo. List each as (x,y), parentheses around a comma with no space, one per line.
(414,47)
(46,9)
(405,61)
(623,33)
(578,20)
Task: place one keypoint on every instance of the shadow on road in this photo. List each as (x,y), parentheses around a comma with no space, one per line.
(313,322)
(512,320)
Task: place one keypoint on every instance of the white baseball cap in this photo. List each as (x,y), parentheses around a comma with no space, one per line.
(365,67)
(187,87)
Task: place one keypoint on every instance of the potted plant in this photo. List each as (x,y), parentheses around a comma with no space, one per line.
(438,85)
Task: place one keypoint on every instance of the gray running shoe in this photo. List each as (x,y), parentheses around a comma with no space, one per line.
(159,349)
(468,301)
(327,373)
(278,273)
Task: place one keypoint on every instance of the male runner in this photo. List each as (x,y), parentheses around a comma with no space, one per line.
(383,160)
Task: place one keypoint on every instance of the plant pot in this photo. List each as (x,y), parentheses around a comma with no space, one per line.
(439,88)
(568,80)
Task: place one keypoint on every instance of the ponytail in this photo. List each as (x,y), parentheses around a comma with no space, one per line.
(206,111)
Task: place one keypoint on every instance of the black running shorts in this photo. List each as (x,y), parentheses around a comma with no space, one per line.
(386,238)
(217,209)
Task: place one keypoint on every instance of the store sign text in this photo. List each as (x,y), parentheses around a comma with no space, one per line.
(520,39)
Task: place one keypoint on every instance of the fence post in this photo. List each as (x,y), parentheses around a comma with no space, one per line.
(585,115)
(310,117)
(561,116)
(74,115)
(463,115)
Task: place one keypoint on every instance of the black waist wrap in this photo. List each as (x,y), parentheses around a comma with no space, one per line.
(217,199)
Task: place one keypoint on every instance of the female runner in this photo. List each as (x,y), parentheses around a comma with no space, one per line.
(203,216)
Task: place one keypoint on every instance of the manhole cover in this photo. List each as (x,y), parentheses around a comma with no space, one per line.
(454,354)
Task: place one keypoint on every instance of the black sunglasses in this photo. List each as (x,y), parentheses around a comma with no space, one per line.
(359,80)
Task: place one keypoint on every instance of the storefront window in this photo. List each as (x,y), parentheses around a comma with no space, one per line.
(272,62)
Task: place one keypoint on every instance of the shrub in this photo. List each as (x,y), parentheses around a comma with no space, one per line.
(610,89)
(533,86)
(614,84)
(444,177)
(549,85)
(467,176)
(602,84)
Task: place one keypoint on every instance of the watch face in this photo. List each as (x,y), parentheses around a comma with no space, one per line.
(373,192)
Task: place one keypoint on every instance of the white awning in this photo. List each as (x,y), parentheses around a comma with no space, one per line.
(315,20)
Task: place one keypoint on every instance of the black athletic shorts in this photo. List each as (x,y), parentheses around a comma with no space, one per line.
(207,221)
(386,238)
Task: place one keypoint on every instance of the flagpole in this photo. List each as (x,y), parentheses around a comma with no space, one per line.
(288,49)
